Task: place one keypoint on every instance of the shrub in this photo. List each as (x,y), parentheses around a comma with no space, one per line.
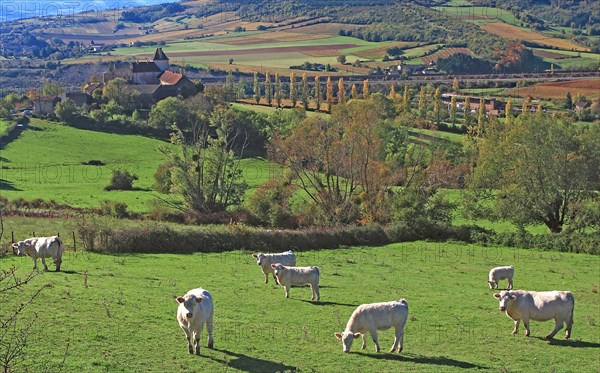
(121,180)
(270,204)
(114,209)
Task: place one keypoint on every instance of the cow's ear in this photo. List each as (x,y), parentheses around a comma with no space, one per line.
(356,335)
(497,296)
(273,266)
(199,299)
(338,335)
(513,297)
(180,300)
(15,246)
(27,243)
(255,255)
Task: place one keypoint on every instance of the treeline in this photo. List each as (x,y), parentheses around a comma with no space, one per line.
(151,14)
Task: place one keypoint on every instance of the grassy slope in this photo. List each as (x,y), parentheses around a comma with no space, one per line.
(125,319)
(3,127)
(54,169)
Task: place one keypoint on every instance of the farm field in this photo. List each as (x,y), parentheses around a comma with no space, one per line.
(124,319)
(55,171)
(479,14)
(588,88)
(519,33)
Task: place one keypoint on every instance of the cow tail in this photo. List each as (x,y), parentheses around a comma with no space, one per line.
(60,245)
(318,270)
(572,298)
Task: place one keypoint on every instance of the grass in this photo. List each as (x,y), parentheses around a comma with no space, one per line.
(3,127)
(124,320)
(55,170)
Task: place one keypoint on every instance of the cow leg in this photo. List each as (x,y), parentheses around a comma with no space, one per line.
(510,284)
(316,291)
(516,328)
(209,328)
(34,263)
(197,334)
(569,326)
(44,263)
(364,342)
(287,290)
(58,263)
(526,324)
(398,340)
(558,324)
(266,278)
(189,340)
(375,340)
(276,280)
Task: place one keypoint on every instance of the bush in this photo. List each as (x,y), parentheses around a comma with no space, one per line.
(270,204)
(114,209)
(121,180)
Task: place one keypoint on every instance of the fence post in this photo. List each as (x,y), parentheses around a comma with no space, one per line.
(33,234)
(74,242)
(12,233)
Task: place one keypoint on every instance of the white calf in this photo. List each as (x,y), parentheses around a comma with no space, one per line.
(368,318)
(538,306)
(41,247)
(501,273)
(288,276)
(196,309)
(265,260)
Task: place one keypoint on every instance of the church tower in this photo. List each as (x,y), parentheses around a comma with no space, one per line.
(160,59)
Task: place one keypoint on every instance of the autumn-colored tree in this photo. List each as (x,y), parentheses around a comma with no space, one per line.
(318,92)
(406,99)
(341,91)
(525,108)
(365,89)
(468,111)
(354,92)
(539,110)
(278,90)
(293,89)
(437,106)
(268,89)
(455,85)
(256,88)
(393,91)
(305,89)
(481,117)
(453,109)
(329,93)
(422,103)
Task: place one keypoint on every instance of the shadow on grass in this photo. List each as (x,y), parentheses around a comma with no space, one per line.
(5,185)
(251,364)
(419,359)
(326,303)
(68,272)
(570,343)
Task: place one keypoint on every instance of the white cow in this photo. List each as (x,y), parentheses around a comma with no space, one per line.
(368,318)
(501,273)
(538,306)
(196,308)
(265,260)
(41,247)
(288,276)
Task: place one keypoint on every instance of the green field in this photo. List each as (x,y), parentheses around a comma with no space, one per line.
(3,127)
(124,320)
(55,170)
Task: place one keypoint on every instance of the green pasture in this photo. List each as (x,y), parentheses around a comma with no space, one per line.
(3,127)
(483,91)
(54,171)
(117,312)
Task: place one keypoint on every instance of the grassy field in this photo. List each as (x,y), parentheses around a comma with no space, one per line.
(124,319)
(520,33)
(590,88)
(55,170)
(3,127)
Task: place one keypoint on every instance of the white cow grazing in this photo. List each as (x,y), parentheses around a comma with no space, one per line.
(501,273)
(41,247)
(196,308)
(368,318)
(538,306)
(265,260)
(288,276)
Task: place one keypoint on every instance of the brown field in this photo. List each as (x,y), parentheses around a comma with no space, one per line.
(445,53)
(546,54)
(329,28)
(267,37)
(590,88)
(513,32)
(379,52)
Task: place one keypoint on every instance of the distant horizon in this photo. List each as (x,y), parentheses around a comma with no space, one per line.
(13,10)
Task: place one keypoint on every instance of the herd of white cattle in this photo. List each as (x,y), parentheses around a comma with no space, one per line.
(196,307)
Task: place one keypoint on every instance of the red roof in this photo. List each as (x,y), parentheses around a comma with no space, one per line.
(170,78)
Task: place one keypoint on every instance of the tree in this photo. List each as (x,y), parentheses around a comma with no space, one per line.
(318,92)
(468,111)
(268,89)
(342,59)
(482,115)
(172,112)
(52,89)
(278,90)
(508,113)
(365,89)
(293,90)
(341,91)
(525,108)
(229,91)
(535,171)
(305,91)
(406,99)
(354,92)
(206,173)
(393,91)
(256,88)
(422,103)
(121,180)
(569,101)
(329,93)
(455,85)
(121,93)
(453,110)
(66,111)
(437,106)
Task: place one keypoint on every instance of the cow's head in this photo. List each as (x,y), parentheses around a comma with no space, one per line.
(347,339)
(19,247)
(505,297)
(189,302)
(277,268)
(491,284)
(259,258)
